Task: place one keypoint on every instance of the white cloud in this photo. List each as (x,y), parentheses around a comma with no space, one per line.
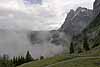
(50,15)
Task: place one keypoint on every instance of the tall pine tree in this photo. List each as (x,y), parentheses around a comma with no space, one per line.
(85,43)
(71,48)
(28,57)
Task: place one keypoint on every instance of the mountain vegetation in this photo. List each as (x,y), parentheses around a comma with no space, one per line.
(6,62)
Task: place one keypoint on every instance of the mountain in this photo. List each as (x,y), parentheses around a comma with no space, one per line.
(96,7)
(90,35)
(77,21)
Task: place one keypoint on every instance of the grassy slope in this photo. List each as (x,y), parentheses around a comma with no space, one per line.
(45,62)
(80,62)
(70,61)
(85,61)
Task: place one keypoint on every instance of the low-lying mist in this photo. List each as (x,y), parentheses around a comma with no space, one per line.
(39,43)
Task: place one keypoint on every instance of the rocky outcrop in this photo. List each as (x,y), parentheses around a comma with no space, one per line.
(96,7)
(77,21)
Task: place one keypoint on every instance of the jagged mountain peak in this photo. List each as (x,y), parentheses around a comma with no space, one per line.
(77,20)
(96,7)
(81,9)
(71,11)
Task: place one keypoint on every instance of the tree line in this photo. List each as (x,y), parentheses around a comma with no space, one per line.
(21,60)
(16,61)
(85,45)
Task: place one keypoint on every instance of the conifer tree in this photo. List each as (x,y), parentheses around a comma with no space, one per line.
(71,48)
(85,43)
(28,57)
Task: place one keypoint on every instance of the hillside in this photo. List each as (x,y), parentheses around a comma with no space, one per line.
(46,62)
(80,62)
(91,32)
(90,58)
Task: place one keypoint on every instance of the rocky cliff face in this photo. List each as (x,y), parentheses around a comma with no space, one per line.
(91,32)
(96,7)
(90,35)
(77,20)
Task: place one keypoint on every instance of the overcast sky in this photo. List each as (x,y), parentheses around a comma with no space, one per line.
(50,14)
